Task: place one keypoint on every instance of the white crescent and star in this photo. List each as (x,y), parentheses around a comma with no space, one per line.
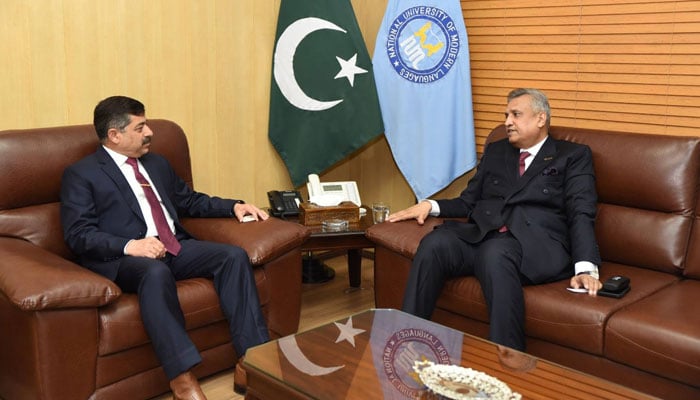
(290,349)
(347,332)
(349,68)
(283,66)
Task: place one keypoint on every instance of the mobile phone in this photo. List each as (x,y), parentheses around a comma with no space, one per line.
(616,286)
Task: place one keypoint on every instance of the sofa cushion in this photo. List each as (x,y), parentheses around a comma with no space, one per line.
(39,224)
(403,237)
(34,279)
(644,238)
(650,186)
(121,327)
(660,333)
(56,147)
(553,313)
(263,240)
(692,265)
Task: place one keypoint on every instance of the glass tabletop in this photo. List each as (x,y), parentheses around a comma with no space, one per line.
(373,355)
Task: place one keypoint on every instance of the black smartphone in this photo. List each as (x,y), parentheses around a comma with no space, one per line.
(616,286)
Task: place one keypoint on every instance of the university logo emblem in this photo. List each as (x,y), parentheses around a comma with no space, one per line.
(423,44)
(401,351)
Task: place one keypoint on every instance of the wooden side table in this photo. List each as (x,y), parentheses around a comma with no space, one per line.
(352,241)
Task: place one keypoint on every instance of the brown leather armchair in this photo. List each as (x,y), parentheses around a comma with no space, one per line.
(68,333)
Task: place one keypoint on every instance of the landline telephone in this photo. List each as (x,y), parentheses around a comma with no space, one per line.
(284,203)
(332,193)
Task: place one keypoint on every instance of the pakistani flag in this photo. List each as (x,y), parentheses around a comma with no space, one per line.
(323,99)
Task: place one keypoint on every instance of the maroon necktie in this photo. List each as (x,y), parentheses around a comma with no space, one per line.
(521,171)
(521,163)
(164,233)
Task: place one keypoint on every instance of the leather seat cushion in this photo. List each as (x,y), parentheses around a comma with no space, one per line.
(120,322)
(660,333)
(553,313)
(121,327)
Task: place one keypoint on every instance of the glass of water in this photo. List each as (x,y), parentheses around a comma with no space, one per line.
(380,212)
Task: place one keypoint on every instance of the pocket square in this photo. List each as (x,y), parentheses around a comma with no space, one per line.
(550,171)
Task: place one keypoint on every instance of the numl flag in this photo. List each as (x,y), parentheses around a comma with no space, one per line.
(421,65)
(323,99)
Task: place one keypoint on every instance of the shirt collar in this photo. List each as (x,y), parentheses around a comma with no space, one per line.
(536,148)
(118,158)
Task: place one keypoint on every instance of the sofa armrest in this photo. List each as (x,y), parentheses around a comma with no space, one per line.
(35,279)
(401,237)
(262,240)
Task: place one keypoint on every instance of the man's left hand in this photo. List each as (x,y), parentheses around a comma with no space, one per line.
(240,210)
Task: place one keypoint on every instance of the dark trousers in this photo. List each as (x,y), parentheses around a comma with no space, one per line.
(154,283)
(494,261)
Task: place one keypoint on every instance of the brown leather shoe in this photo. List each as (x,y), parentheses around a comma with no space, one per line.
(186,387)
(240,381)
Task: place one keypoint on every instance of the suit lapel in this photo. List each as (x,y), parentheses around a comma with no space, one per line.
(115,174)
(511,160)
(544,157)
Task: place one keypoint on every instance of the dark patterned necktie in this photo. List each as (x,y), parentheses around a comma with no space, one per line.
(164,233)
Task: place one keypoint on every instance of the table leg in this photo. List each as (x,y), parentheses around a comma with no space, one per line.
(355,268)
(314,270)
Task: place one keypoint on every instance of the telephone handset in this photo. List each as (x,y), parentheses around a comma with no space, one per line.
(284,202)
(332,193)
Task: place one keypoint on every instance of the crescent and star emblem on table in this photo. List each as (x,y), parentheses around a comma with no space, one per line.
(290,349)
(283,69)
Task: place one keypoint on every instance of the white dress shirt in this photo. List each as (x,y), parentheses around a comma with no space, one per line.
(128,172)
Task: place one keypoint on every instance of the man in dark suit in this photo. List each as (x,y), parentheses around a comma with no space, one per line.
(119,210)
(521,230)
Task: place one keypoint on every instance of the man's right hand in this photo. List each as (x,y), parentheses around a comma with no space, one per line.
(419,212)
(147,247)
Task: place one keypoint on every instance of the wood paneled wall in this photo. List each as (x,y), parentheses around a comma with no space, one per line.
(630,65)
(206,65)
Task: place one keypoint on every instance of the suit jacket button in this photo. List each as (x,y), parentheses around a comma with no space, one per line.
(545,191)
(488,212)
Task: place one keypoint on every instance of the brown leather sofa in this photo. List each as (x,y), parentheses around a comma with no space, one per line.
(68,333)
(648,229)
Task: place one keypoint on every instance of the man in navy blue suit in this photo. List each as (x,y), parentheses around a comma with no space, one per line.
(116,230)
(531,207)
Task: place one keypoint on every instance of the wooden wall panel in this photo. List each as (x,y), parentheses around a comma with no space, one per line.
(625,65)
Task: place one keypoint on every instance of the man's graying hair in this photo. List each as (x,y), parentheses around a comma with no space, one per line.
(114,112)
(539,102)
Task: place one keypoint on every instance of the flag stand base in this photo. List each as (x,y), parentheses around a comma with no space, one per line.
(315,271)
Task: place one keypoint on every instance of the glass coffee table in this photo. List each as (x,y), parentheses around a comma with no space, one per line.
(372,355)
